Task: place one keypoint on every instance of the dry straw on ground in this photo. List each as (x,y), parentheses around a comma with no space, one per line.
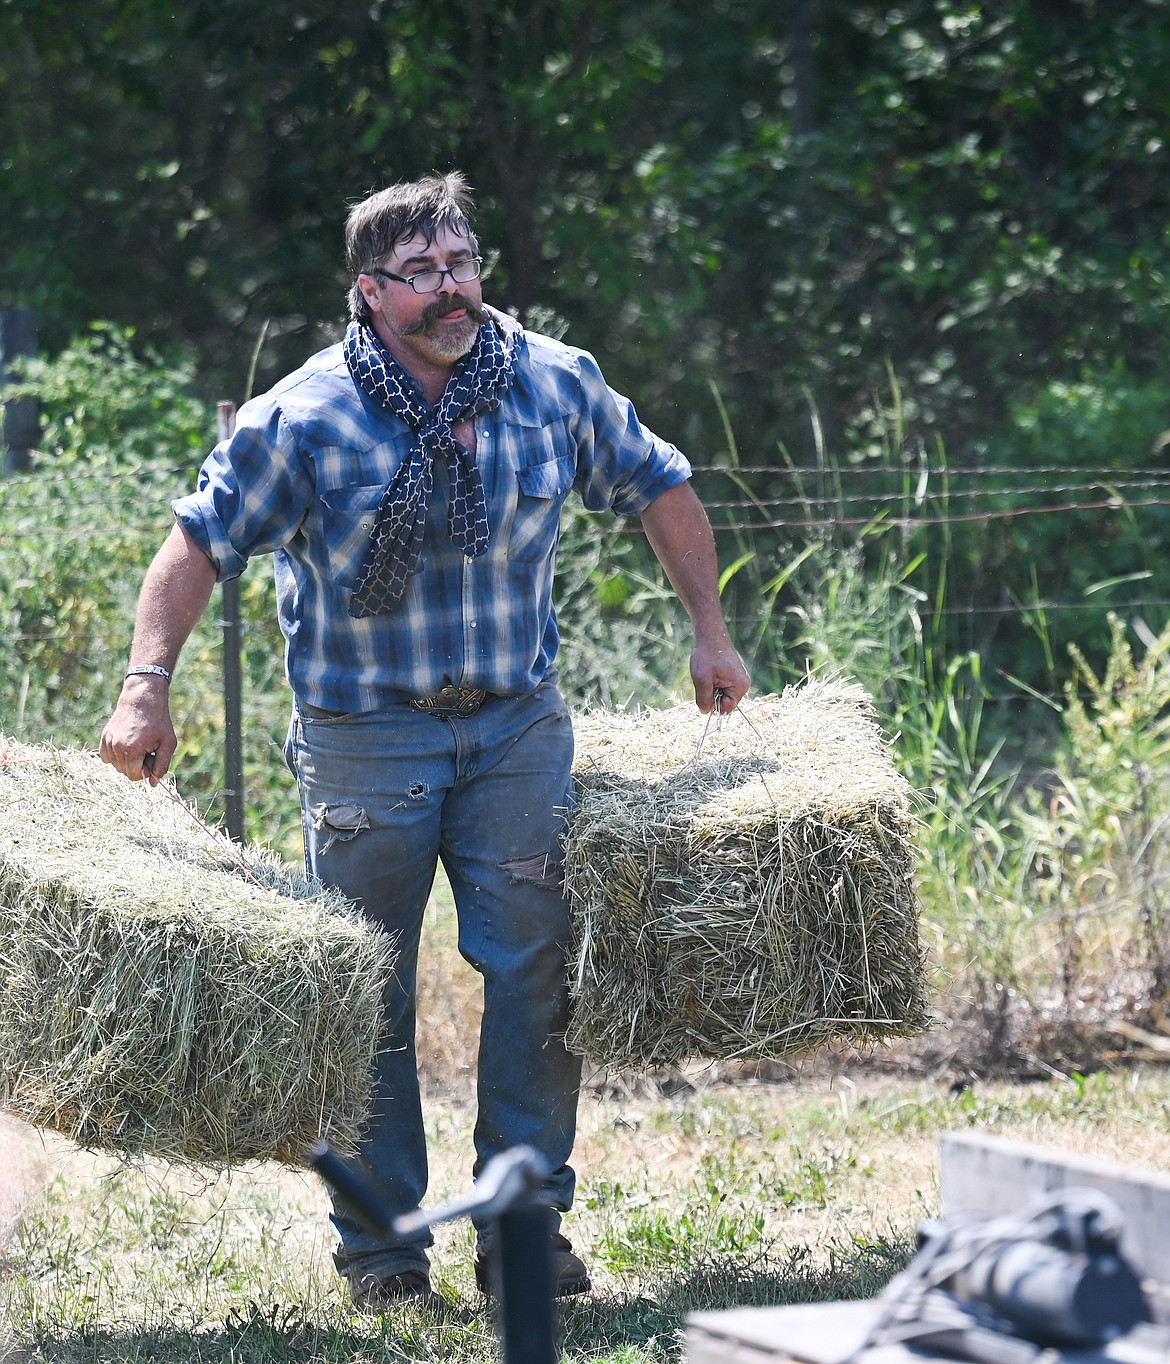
(163,991)
(742,887)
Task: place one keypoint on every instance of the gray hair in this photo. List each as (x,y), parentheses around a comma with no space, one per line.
(419,207)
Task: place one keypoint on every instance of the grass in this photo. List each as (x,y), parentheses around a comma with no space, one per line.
(1044,887)
(693,1196)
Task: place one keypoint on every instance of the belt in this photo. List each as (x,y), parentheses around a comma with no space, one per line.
(457,701)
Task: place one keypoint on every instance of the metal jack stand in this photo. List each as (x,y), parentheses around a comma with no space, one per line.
(506,1193)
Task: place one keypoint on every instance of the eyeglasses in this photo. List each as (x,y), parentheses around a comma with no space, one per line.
(428,281)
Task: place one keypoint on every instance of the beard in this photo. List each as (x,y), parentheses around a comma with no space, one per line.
(451,343)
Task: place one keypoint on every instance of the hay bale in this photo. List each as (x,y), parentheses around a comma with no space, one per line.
(165,992)
(750,898)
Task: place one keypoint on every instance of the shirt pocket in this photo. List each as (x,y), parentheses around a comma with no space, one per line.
(347,522)
(542,489)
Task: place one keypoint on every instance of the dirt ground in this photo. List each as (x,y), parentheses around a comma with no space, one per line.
(26,1156)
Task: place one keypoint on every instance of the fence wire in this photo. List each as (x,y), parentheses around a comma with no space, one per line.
(847,498)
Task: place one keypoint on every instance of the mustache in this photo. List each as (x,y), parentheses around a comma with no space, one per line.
(440,308)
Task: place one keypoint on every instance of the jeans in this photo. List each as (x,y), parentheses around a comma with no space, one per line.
(384,796)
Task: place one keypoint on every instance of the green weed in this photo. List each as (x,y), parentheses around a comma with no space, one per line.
(124,1264)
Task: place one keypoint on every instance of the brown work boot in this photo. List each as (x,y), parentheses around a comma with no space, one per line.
(569,1275)
(372,1295)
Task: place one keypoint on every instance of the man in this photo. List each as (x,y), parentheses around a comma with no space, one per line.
(409,482)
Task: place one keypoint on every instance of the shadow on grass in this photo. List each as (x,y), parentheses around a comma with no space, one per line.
(273,1335)
(656,1317)
(645,1324)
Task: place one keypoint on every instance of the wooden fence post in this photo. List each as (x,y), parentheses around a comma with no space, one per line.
(18,336)
(233,687)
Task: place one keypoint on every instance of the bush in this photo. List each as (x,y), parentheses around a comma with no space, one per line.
(123,433)
(119,437)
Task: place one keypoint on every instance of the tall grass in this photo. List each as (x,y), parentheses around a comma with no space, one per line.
(1041,873)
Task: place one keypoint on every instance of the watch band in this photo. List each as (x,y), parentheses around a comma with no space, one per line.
(151,669)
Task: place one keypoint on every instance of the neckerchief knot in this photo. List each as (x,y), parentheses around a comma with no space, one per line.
(439,437)
(477,385)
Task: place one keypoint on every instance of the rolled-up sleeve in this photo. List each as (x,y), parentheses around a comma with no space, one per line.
(252,493)
(621,464)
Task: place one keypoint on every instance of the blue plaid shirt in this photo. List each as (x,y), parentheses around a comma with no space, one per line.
(302,476)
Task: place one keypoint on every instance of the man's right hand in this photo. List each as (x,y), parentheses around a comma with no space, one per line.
(139,739)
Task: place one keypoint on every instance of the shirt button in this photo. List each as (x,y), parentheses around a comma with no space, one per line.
(474,623)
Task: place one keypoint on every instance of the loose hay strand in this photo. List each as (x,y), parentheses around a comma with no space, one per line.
(754,901)
(163,994)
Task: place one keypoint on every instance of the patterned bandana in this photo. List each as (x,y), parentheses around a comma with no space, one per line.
(477,384)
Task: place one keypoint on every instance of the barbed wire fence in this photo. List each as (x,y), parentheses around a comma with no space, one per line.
(774,509)
(96,512)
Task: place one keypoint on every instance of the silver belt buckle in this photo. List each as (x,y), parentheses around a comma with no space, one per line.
(457,701)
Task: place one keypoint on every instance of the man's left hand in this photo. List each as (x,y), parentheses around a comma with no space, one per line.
(720,679)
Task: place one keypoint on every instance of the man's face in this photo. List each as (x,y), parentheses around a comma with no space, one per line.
(436,328)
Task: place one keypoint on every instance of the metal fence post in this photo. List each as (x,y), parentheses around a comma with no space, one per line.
(18,336)
(233,733)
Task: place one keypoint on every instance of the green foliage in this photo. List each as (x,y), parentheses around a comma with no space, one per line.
(1049,901)
(652,1239)
(1090,450)
(123,430)
(109,410)
(1098,866)
(805,209)
(784,203)
(76,534)
(1101,422)
(624,637)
